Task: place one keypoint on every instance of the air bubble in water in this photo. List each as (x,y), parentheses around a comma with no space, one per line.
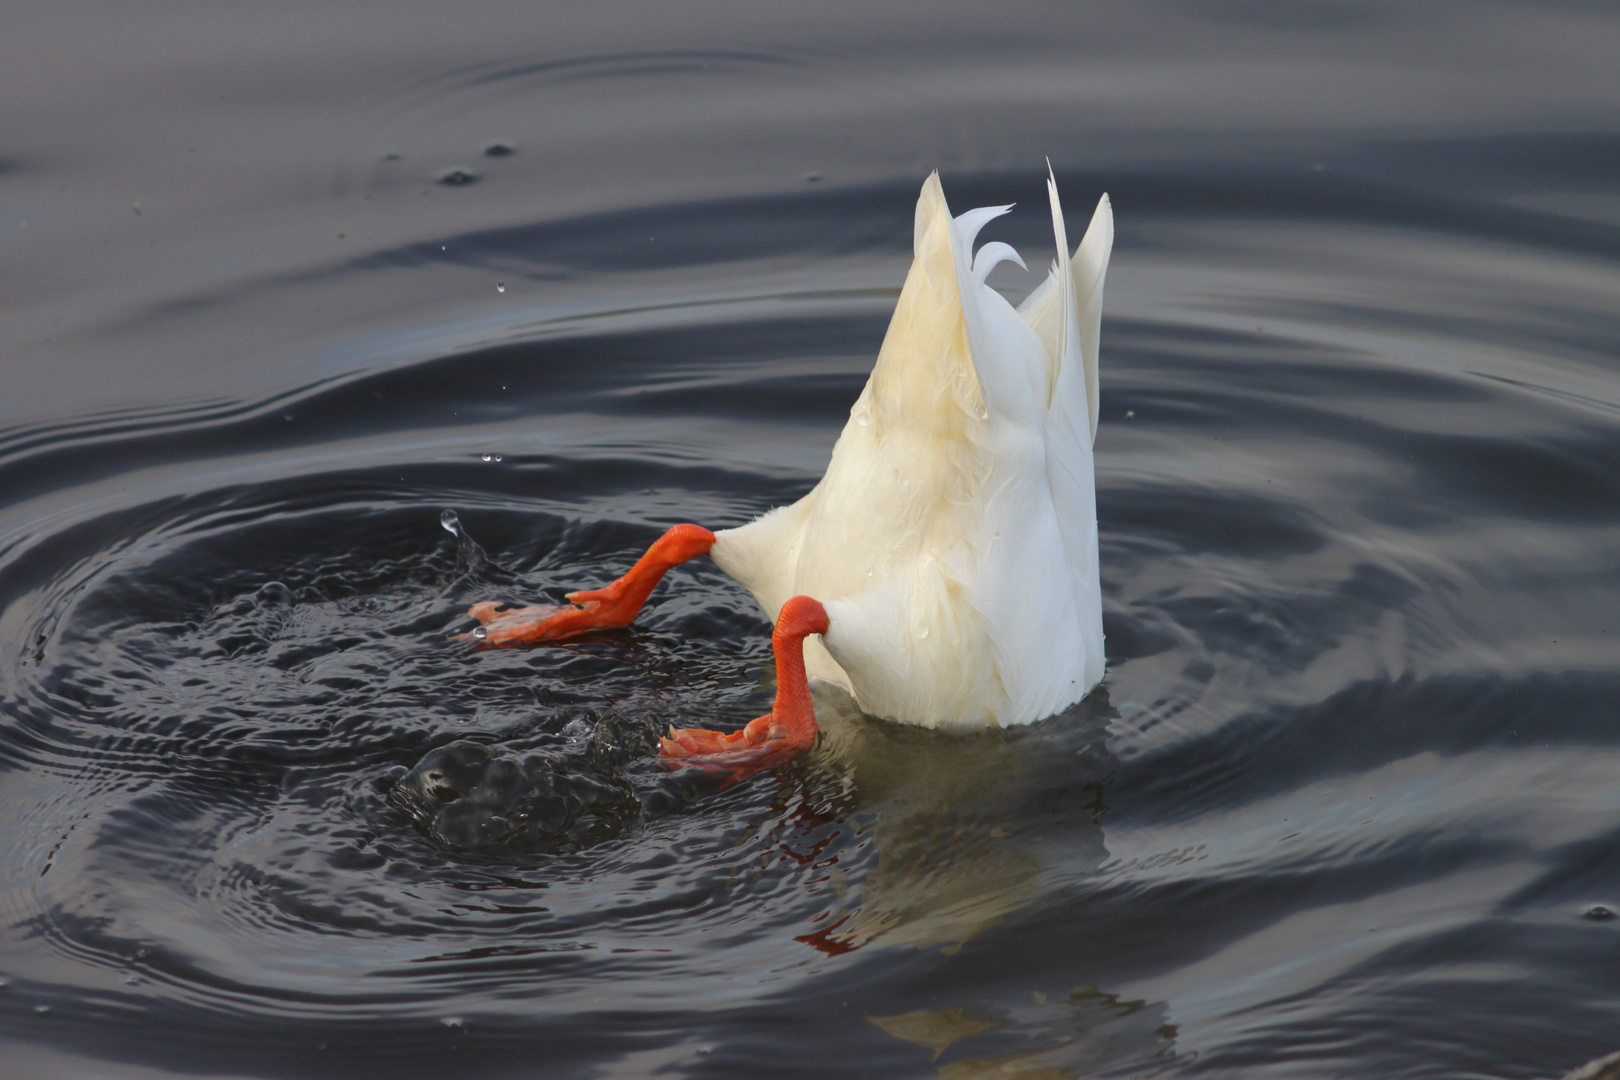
(500,286)
(450,523)
(275,594)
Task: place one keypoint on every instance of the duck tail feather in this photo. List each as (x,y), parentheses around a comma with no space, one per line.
(1088,269)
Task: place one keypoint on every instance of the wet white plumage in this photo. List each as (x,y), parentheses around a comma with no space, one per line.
(953,538)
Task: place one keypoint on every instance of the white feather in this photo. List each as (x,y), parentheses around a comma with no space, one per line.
(990,256)
(954,535)
(1088,267)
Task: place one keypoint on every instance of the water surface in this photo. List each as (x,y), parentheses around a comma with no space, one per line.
(1344,806)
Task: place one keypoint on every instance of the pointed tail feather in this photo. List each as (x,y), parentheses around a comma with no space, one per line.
(1090,266)
(1084,272)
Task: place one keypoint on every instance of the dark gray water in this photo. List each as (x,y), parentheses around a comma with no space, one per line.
(279,285)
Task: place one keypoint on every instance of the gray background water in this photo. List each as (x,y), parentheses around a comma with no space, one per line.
(1344,808)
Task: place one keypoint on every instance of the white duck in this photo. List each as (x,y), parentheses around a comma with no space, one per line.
(953,539)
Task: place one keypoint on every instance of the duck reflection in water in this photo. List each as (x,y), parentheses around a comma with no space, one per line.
(966,830)
(1049,1037)
(957,830)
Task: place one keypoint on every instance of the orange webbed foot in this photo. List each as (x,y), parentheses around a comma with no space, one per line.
(690,742)
(504,626)
(737,755)
(615,604)
(779,736)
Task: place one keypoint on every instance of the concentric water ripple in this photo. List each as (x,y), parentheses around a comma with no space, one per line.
(1343,806)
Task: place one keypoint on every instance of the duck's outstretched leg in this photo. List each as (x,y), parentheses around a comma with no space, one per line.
(781,735)
(591,609)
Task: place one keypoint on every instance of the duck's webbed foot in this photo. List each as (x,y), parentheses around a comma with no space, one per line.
(503,626)
(779,736)
(737,755)
(614,605)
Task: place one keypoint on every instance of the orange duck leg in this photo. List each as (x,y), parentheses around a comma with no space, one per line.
(613,605)
(781,735)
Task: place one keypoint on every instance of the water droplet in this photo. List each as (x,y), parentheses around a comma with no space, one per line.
(922,631)
(489,457)
(42,1009)
(499,149)
(452,1021)
(481,633)
(861,420)
(469,556)
(500,286)
(981,412)
(458,178)
(1130,414)
(1598,912)
(133,980)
